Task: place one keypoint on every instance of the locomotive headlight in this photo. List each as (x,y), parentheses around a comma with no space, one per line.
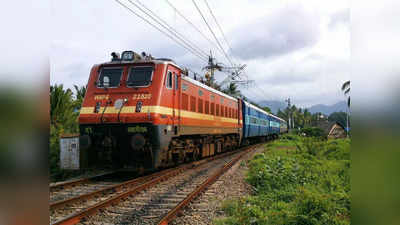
(127,55)
(118,104)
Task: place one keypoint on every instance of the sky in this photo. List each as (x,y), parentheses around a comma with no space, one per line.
(297,49)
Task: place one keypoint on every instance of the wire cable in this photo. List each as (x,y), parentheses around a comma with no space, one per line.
(171,28)
(212,32)
(195,27)
(220,29)
(166,28)
(160,30)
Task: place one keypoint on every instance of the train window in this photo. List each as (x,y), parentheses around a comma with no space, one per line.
(185,102)
(200,106)
(206,107)
(168,82)
(222,110)
(217,109)
(110,76)
(226,111)
(140,76)
(200,92)
(192,104)
(176,81)
(212,108)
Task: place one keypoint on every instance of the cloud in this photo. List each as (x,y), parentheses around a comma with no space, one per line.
(289,48)
(340,17)
(284,31)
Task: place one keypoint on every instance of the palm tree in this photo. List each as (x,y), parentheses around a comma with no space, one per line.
(346,91)
(62,115)
(80,94)
(232,90)
(307,117)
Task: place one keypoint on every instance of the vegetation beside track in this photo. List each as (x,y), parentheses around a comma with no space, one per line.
(64,111)
(296,180)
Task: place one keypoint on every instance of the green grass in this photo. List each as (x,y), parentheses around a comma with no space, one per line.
(296,181)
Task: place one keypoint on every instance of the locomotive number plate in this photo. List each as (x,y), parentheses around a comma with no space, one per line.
(101,97)
(141,96)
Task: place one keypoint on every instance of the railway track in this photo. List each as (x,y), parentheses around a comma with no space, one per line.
(151,199)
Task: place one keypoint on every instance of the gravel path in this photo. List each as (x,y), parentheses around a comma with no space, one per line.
(230,185)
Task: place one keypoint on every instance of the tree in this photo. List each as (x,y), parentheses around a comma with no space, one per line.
(62,106)
(307,118)
(339,117)
(80,95)
(267,109)
(346,91)
(232,90)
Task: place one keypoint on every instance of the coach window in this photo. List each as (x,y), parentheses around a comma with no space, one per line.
(185,102)
(200,106)
(109,77)
(217,110)
(192,104)
(168,82)
(212,108)
(222,110)
(206,108)
(176,81)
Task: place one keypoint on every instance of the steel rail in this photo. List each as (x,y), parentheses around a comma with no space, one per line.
(171,214)
(115,187)
(78,216)
(74,182)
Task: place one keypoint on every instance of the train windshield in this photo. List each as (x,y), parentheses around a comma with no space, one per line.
(110,77)
(140,76)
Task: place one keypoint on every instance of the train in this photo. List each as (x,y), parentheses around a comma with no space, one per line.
(146,112)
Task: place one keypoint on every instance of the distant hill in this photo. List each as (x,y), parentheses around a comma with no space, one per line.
(325,109)
(273,105)
(328,109)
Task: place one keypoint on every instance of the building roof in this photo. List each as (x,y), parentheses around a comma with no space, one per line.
(327,126)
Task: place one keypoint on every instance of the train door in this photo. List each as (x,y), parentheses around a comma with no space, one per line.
(176,100)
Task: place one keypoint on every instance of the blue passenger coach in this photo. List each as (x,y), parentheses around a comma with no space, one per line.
(258,124)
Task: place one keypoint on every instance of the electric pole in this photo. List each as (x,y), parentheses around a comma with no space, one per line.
(289,112)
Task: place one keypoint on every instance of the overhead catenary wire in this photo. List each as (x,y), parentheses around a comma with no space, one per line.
(212,32)
(182,37)
(220,28)
(195,27)
(167,27)
(163,32)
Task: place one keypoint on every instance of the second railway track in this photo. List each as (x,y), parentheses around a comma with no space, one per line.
(152,199)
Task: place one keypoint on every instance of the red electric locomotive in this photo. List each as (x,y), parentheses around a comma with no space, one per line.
(145,112)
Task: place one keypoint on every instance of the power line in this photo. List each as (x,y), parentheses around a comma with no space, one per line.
(167,27)
(212,32)
(220,29)
(160,30)
(171,28)
(194,26)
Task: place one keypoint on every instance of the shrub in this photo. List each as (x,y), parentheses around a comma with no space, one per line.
(312,132)
(310,186)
